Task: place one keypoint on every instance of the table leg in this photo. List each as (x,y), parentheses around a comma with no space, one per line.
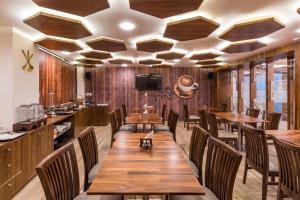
(239,136)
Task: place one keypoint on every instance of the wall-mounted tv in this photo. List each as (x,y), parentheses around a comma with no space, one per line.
(148,81)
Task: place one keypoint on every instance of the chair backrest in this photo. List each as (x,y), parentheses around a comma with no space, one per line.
(114,125)
(223,107)
(213,124)
(163,113)
(289,168)
(186,112)
(173,124)
(252,112)
(203,119)
(89,148)
(170,117)
(197,147)
(124,112)
(119,117)
(59,174)
(222,164)
(274,119)
(257,153)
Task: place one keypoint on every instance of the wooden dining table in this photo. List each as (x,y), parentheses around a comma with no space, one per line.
(291,136)
(137,118)
(239,119)
(130,170)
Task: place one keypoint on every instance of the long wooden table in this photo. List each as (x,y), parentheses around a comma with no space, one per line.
(291,136)
(130,170)
(136,118)
(239,119)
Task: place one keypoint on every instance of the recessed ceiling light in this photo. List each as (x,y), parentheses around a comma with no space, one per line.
(66,53)
(127,26)
(124,65)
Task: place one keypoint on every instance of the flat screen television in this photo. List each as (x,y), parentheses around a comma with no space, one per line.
(148,81)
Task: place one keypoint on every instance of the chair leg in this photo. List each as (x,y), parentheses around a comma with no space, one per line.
(279,194)
(245,172)
(188,125)
(264,187)
(183,124)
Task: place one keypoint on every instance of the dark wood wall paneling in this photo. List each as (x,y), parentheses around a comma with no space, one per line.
(57,77)
(116,85)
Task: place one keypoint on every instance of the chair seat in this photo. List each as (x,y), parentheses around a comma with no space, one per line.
(227,134)
(194,117)
(209,195)
(84,196)
(234,126)
(93,172)
(161,127)
(128,127)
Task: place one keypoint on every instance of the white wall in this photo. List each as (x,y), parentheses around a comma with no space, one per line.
(80,82)
(16,86)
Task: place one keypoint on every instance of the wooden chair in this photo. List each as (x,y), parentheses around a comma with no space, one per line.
(89,148)
(163,113)
(274,120)
(124,110)
(223,108)
(173,124)
(197,147)
(59,176)
(252,112)
(203,119)
(222,161)
(189,118)
(124,127)
(164,127)
(258,158)
(289,169)
(223,135)
(114,127)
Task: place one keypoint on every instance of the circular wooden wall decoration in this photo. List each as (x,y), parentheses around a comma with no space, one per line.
(185,87)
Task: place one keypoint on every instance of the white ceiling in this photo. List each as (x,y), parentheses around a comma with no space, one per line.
(225,12)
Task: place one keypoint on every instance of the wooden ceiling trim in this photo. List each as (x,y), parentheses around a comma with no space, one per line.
(244,47)
(58,26)
(252,29)
(75,7)
(107,44)
(58,45)
(150,62)
(164,8)
(154,45)
(89,61)
(204,56)
(162,66)
(208,62)
(170,55)
(120,61)
(97,55)
(190,29)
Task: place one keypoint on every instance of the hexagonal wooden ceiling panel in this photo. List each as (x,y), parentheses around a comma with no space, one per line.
(76,7)
(164,8)
(162,66)
(90,61)
(57,26)
(120,61)
(87,65)
(244,47)
(58,45)
(170,55)
(107,44)
(150,62)
(96,55)
(190,29)
(154,45)
(204,56)
(208,62)
(252,30)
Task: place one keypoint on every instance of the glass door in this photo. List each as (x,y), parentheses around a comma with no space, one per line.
(260,101)
(245,92)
